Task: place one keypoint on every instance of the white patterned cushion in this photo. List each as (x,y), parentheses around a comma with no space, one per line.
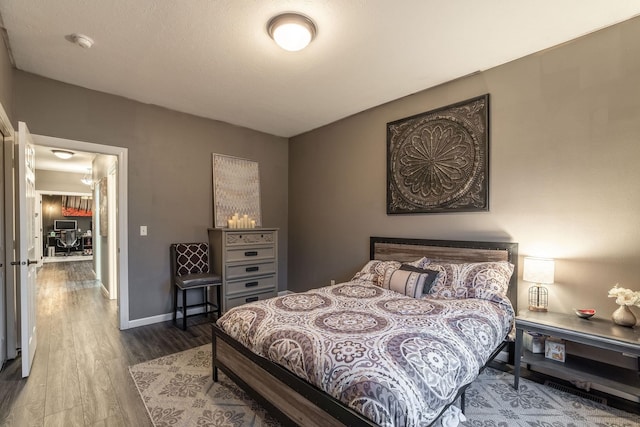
(471,280)
(405,282)
(375,271)
(420,263)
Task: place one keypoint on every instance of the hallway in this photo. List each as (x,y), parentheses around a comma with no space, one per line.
(80,372)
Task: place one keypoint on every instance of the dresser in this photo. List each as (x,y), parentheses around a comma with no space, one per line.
(247,260)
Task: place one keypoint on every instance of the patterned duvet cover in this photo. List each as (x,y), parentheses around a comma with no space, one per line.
(395,359)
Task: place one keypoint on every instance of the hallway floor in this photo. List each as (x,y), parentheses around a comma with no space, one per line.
(80,372)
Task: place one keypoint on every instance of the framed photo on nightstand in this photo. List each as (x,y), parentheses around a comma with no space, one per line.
(554,349)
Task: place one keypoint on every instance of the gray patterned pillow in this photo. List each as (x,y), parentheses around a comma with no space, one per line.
(471,280)
(430,278)
(419,263)
(408,281)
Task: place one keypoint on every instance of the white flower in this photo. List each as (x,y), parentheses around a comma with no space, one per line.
(625,296)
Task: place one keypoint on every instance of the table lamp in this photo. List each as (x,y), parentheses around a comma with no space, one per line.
(539,271)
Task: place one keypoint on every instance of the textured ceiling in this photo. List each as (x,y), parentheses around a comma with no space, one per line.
(214,58)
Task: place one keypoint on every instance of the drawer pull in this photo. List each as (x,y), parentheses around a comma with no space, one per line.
(252,299)
(250,284)
(248,269)
(251,253)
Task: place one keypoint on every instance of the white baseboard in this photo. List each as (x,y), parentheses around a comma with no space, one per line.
(280,293)
(161,318)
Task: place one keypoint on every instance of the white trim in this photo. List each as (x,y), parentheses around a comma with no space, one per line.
(123,239)
(123,225)
(281,293)
(162,318)
(63,193)
(10,346)
(39,231)
(70,258)
(150,320)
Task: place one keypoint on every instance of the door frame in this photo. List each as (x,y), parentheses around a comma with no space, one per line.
(123,241)
(8,338)
(9,310)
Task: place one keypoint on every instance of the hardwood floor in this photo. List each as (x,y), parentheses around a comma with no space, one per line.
(80,373)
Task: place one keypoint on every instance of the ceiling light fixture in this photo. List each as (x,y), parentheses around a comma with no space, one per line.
(291,31)
(63,154)
(81,40)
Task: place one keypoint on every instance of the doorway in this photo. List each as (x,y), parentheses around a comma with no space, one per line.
(65,225)
(113,263)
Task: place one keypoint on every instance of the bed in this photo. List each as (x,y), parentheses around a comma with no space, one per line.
(422,351)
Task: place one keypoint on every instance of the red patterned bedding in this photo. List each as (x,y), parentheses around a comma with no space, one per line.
(395,359)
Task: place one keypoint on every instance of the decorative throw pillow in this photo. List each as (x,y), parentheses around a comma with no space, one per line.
(471,280)
(409,283)
(419,263)
(375,271)
(431,275)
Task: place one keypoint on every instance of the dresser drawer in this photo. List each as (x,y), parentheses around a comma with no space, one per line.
(250,254)
(236,301)
(237,238)
(257,284)
(248,270)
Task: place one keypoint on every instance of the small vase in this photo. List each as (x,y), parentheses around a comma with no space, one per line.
(623,316)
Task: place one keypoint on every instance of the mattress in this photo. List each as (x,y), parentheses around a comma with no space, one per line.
(395,359)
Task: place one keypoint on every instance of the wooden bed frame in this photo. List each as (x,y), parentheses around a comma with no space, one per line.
(296,402)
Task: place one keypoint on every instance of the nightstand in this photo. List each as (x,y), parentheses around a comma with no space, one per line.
(594,332)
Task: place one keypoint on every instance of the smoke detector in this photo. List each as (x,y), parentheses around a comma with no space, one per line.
(81,40)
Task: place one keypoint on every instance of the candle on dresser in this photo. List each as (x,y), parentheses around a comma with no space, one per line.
(253,223)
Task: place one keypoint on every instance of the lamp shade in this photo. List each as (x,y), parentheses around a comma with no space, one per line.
(538,270)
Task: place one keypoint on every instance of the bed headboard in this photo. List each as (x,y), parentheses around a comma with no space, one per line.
(406,250)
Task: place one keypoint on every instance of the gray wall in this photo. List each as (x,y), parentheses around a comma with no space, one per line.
(169,171)
(565,129)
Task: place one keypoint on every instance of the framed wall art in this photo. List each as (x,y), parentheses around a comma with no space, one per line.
(236,189)
(438,161)
(76,206)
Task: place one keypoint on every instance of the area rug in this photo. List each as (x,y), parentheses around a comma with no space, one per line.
(177,391)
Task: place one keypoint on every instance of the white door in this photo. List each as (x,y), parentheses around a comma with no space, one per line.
(26,221)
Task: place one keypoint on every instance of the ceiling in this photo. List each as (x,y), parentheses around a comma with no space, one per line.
(214,58)
(80,162)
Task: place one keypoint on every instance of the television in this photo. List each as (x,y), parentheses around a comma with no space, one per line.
(65,224)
